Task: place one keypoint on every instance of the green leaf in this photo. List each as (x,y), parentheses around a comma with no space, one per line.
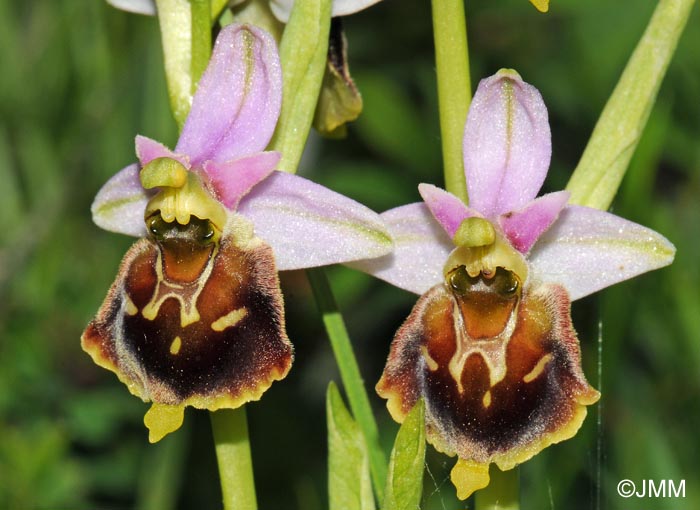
(350,375)
(349,483)
(216,7)
(616,135)
(303,55)
(404,485)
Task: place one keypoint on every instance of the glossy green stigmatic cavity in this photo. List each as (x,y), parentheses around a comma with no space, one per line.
(503,282)
(197,231)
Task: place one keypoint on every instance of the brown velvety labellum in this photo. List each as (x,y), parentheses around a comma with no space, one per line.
(194,322)
(499,369)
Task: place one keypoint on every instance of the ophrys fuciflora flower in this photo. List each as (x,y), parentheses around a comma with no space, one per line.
(489,345)
(195,316)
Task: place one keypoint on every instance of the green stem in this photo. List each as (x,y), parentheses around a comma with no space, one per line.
(175,20)
(502,493)
(230,427)
(201,38)
(350,374)
(454,87)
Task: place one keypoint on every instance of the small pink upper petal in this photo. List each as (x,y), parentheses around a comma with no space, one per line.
(238,99)
(448,210)
(148,149)
(233,179)
(524,227)
(507,144)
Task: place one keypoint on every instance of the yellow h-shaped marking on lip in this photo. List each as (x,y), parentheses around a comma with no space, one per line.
(492,350)
(166,289)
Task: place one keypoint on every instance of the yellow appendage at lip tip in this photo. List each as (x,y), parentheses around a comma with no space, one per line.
(540,5)
(162,419)
(469,476)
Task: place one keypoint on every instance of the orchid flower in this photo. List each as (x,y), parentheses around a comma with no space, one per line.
(281,8)
(195,316)
(490,345)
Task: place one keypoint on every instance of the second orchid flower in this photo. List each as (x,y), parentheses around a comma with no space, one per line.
(489,345)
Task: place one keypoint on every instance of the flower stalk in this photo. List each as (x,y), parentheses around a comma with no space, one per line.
(454,87)
(233,457)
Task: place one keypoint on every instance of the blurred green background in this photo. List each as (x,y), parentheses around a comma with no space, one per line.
(79,79)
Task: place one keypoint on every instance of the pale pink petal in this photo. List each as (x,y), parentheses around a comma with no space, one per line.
(233,179)
(421,248)
(237,103)
(120,204)
(283,8)
(507,144)
(308,225)
(587,250)
(524,227)
(447,209)
(146,7)
(148,149)
(345,7)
